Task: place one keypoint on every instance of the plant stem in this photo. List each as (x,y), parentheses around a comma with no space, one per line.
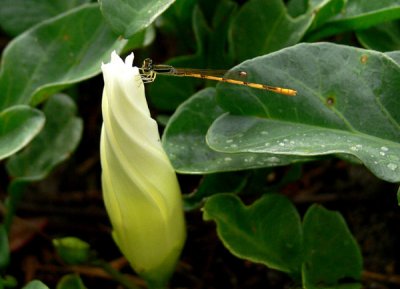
(116,275)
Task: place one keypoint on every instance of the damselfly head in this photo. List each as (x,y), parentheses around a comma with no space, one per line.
(147,65)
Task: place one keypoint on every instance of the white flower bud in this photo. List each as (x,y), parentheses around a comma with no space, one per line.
(140,188)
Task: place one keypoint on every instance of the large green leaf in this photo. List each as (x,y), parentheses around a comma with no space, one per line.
(359,14)
(331,253)
(264,26)
(63,50)
(16,16)
(267,232)
(55,143)
(18,126)
(383,37)
(184,140)
(347,103)
(127,17)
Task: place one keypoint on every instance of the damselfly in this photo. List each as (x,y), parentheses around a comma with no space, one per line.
(149,71)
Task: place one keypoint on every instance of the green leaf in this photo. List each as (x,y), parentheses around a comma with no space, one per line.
(63,50)
(176,24)
(55,143)
(330,251)
(58,139)
(167,93)
(383,37)
(18,126)
(139,40)
(4,248)
(8,281)
(359,14)
(214,184)
(245,182)
(126,17)
(264,26)
(184,140)
(325,10)
(16,16)
(395,55)
(354,111)
(267,232)
(297,7)
(71,281)
(219,54)
(36,284)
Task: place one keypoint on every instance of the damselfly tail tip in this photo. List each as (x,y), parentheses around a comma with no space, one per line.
(291,92)
(285,91)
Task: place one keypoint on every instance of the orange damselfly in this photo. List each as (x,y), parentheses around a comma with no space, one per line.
(149,71)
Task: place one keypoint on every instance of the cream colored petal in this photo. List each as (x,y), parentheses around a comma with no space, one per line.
(140,188)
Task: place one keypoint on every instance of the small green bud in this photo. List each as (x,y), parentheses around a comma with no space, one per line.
(72,250)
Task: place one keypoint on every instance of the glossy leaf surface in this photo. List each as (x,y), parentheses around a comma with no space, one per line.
(353,111)
(184,140)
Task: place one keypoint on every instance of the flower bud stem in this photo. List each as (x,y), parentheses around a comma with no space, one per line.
(116,275)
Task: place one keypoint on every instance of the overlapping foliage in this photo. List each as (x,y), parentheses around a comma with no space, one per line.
(347,105)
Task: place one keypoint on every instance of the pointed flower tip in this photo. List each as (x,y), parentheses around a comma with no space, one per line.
(129,59)
(117,66)
(116,59)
